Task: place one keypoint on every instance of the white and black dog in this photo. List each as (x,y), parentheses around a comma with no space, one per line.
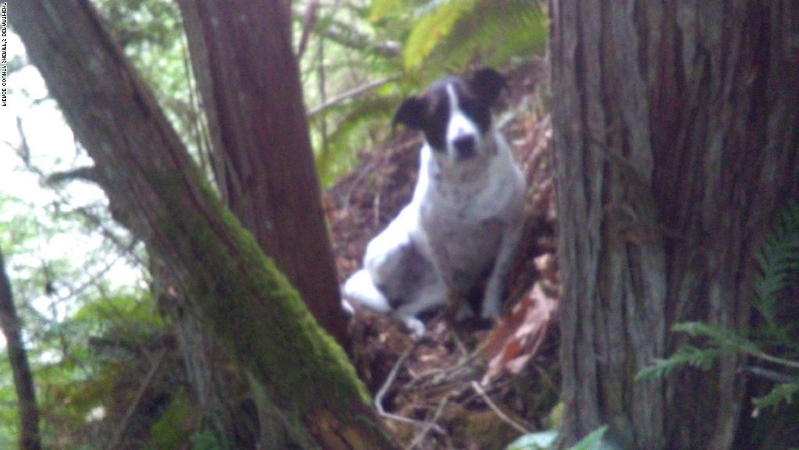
(466,216)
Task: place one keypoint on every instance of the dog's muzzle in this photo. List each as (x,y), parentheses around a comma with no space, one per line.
(464,146)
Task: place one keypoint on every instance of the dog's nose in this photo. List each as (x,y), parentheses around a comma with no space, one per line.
(464,146)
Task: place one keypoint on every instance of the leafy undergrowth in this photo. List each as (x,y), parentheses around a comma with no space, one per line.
(466,386)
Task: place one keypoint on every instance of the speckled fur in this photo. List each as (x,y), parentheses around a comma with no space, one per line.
(466,215)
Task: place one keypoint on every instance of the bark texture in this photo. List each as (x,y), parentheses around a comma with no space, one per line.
(154,187)
(676,140)
(29,437)
(264,165)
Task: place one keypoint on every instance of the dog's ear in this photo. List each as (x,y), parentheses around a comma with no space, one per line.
(488,83)
(411,113)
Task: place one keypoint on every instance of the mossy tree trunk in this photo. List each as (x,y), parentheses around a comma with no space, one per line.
(249,79)
(264,168)
(676,140)
(155,188)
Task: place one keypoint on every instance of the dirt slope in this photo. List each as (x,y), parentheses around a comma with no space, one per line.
(469,387)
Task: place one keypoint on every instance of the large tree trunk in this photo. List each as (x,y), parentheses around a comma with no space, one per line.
(676,140)
(261,155)
(250,85)
(29,437)
(154,187)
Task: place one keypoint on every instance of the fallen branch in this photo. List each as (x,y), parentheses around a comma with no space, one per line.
(516,426)
(387,385)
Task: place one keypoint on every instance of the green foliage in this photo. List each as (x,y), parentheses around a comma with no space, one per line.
(335,157)
(206,440)
(687,355)
(436,37)
(484,31)
(450,35)
(775,341)
(592,440)
(784,392)
(432,29)
(152,35)
(779,263)
(535,441)
(170,432)
(547,440)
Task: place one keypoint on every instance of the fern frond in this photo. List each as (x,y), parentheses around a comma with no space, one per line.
(353,119)
(784,392)
(721,337)
(432,29)
(701,358)
(454,34)
(779,262)
(493,33)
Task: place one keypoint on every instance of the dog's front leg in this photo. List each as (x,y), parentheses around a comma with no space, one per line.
(509,244)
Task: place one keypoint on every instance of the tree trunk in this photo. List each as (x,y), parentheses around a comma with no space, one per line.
(154,186)
(29,438)
(261,153)
(676,140)
(264,165)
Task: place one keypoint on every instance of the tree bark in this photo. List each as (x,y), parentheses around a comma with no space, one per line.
(29,437)
(675,133)
(250,84)
(154,187)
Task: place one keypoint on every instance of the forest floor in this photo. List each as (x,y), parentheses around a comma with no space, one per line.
(467,386)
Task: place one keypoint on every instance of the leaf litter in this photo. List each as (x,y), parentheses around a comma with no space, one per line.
(467,385)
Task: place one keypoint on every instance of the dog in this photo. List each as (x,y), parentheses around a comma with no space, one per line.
(466,215)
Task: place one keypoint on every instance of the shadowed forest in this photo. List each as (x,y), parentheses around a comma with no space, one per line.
(186,184)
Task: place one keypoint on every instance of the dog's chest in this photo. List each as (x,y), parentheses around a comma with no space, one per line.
(464,222)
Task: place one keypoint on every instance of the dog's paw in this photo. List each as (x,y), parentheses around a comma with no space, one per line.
(349,310)
(414,325)
(492,307)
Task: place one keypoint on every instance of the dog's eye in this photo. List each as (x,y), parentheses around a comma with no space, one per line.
(436,129)
(476,111)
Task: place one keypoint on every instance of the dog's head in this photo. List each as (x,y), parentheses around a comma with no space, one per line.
(455,114)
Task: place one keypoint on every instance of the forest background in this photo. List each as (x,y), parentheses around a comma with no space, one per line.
(99,326)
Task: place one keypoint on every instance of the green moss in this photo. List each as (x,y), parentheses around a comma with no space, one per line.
(253,307)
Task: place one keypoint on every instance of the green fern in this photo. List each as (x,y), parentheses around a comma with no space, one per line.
(454,34)
(432,29)
(779,263)
(701,358)
(784,392)
(717,336)
(337,157)
(778,260)
(492,34)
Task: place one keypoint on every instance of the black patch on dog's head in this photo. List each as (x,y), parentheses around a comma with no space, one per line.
(430,113)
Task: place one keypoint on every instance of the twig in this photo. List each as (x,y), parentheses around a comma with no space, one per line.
(430,425)
(390,379)
(516,426)
(766,357)
(387,385)
(358,91)
(120,430)
(771,375)
(448,372)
